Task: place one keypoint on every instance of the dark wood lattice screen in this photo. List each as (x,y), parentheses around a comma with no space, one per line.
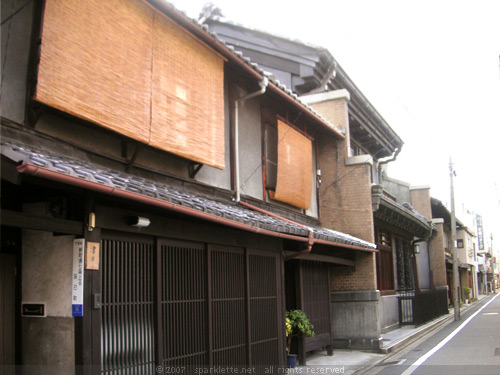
(184,304)
(187,303)
(127,333)
(316,297)
(264,311)
(228,306)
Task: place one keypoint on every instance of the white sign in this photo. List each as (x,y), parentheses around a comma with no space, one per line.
(77,279)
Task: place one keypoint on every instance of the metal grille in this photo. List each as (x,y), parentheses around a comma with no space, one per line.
(405,304)
(127,336)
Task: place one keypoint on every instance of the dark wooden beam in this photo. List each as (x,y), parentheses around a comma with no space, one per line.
(50,224)
(323,258)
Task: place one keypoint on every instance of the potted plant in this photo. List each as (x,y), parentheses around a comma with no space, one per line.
(297,324)
(467,291)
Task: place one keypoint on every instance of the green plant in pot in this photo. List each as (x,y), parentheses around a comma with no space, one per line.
(467,291)
(297,324)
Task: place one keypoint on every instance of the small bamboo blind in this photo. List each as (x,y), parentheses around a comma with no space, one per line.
(294,180)
(123,66)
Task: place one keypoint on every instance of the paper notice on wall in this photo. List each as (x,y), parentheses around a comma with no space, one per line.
(92,256)
(77,278)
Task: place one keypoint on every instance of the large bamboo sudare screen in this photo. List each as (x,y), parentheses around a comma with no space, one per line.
(294,179)
(97,63)
(188,96)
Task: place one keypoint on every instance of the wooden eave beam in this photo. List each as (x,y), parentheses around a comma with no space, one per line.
(49,224)
(322,258)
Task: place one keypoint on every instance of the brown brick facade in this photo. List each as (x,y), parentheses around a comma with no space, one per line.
(421,201)
(345,200)
(361,277)
(437,257)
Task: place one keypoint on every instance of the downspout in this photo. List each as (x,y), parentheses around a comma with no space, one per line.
(310,237)
(386,161)
(263,86)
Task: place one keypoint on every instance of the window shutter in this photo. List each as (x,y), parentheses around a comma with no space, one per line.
(188,96)
(293,184)
(124,66)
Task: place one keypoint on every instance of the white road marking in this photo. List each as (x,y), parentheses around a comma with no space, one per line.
(426,356)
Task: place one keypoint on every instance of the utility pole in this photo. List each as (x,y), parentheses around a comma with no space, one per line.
(493,265)
(456,283)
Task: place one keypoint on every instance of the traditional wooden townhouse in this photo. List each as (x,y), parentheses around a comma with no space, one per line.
(161,197)
(365,299)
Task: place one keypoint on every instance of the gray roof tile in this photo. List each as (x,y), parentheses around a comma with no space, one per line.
(226,209)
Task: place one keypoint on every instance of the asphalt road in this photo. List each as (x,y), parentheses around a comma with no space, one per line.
(468,346)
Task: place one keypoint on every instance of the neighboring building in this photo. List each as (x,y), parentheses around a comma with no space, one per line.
(465,251)
(364,298)
(467,258)
(189,181)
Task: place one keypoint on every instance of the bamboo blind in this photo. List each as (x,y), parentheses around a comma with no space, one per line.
(294,178)
(121,65)
(188,97)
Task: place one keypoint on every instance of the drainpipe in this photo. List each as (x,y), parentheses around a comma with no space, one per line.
(310,237)
(263,86)
(386,161)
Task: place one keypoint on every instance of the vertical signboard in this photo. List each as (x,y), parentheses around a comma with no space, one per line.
(77,289)
(480,238)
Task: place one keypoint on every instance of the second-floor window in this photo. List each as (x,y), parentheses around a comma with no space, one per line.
(289,164)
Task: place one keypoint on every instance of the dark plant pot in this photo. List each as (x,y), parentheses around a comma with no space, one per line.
(291,360)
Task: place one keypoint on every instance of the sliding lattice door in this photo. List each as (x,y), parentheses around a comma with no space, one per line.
(127,333)
(178,303)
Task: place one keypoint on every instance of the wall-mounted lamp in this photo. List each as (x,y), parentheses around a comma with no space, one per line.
(318,178)
(139,221)
(91,221)
(417,248)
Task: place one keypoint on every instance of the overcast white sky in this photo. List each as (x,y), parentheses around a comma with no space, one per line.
(430,67)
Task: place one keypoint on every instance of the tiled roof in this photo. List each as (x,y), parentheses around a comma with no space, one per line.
(409,211)
(86,171)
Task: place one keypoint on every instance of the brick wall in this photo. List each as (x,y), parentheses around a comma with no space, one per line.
(421,201)
(345,192)
(437,257)
(345,199)
(361,277)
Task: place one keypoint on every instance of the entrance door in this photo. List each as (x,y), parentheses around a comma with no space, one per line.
(177,303)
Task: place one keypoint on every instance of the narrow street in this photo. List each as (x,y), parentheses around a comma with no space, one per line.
(468,346)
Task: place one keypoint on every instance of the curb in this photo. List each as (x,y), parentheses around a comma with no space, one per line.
(422,330)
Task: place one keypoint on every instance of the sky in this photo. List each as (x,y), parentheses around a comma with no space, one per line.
(431,68)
